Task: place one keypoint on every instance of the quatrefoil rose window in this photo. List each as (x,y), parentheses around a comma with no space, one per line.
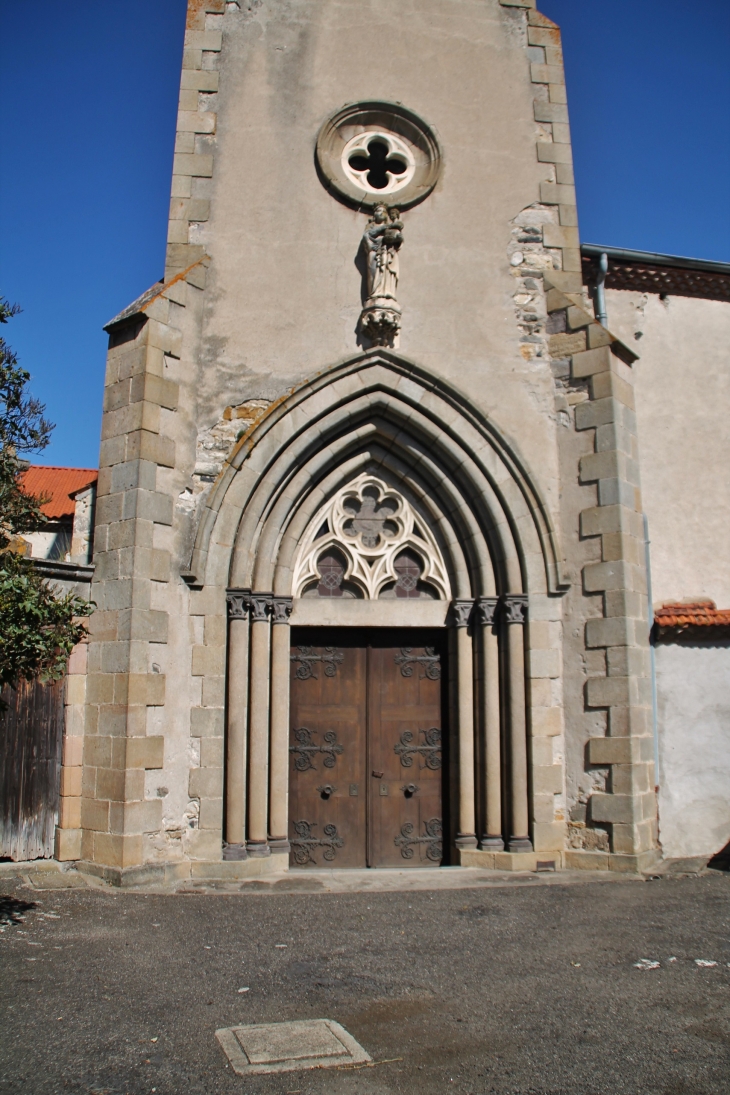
(368,152)
(379,162)
(369,543)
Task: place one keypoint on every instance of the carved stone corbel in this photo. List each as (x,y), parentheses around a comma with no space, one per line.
(261,606)
(487,610)
(461,611)
(515,608)
(281,609)
(237,603)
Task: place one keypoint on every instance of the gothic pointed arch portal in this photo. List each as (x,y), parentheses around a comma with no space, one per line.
(381,461)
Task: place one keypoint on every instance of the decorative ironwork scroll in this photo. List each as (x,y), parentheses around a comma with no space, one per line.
(305,843)
(305,749)
(429,751)
(429,662)
(433,830)
(308,658)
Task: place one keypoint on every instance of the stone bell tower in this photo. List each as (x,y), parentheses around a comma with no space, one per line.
(366,436)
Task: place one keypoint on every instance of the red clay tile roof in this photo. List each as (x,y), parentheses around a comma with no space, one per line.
(700,614)
(57,484)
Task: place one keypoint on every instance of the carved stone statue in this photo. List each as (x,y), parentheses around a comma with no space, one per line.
(381,241)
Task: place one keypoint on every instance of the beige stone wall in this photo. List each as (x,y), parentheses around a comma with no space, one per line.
(262,295)
(682,404)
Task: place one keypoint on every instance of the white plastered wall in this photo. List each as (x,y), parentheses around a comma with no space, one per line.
(693,684)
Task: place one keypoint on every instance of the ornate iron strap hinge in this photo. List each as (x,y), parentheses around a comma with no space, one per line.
(305,843)
(308,659)
(430,751)
(433,831)
(306,748)
(429,662)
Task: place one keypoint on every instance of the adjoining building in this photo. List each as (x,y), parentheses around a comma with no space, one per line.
(370,544)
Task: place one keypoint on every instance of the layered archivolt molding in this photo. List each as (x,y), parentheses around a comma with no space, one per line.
(386,549)
(382,415)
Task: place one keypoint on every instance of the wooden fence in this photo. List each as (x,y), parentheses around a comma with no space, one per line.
(31,740)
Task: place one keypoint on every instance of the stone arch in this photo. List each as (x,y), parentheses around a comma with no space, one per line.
(383,415)
(424,421)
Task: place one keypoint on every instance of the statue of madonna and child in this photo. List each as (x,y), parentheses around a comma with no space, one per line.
(381,241)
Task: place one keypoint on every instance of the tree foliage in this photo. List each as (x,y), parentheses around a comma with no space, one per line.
(38,627)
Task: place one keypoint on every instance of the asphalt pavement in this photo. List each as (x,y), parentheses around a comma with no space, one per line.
(511,989)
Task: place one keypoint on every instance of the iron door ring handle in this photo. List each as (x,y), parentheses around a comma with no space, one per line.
(377,775)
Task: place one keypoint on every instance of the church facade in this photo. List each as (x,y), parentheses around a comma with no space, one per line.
(370,558)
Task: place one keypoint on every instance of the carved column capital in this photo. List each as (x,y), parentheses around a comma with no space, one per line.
(261,604)
(461,612)
(487,610)
(237,603)
(281,609)
(515,608)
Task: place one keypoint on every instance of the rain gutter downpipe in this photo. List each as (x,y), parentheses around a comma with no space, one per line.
(600,297)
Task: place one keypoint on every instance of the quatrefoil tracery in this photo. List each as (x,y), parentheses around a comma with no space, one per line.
(372,536)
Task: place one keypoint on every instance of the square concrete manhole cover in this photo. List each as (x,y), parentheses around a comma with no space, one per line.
(283,1047)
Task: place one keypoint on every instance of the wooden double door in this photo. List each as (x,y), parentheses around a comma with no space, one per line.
(367,756)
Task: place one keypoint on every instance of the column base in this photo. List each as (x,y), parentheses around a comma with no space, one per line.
(234,852)
(279,845)
(519,844)
(258,849)
(466,840)
(491,844)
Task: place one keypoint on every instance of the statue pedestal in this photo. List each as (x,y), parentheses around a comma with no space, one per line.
(380,320)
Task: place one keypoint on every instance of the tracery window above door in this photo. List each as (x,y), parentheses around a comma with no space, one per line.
(369,543)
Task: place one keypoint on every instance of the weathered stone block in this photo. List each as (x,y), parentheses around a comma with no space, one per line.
(546,721)
(196,121)
(543,36)
(602,465)
(142,445)
(547,780)
(549,837)
(607,691)
(210,40)
(206,722)
(110,784)
(611,632)
(199,79)
(555,194)
(146,752)
(550,152)
(211,752)
(206,782)
(196,166)
(208,660)
(118,850)
(211,814)
(67,845)
(547,74)
(605,385)
(544,663)
(591,362)
(155,390)
(142,817)
(610,750)
(611,808)
(94,814)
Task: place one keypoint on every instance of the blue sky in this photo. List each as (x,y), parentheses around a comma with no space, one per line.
(90,91)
